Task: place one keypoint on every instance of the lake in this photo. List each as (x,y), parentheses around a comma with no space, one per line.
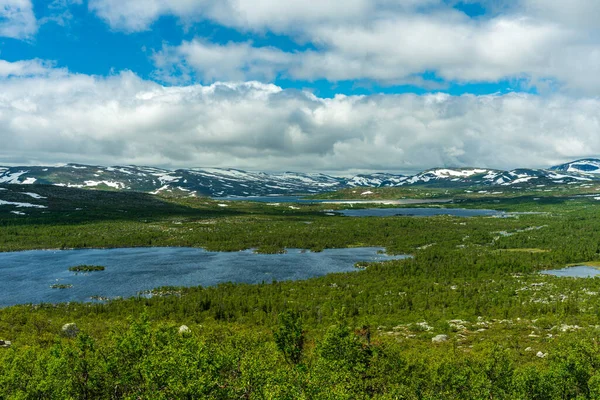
(299,199)
(26,276)
(418,212)
(580,271)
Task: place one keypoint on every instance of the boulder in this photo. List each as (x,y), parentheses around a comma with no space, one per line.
(5,344)
(70,330)
(541,355)
(439,339)
(184,329)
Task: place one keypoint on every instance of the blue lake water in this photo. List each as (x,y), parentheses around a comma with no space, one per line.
(26,277)
(580,271)
(418,212)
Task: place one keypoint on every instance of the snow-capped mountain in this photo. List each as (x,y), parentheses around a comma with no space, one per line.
(233,182)
(584,166)
(204,181)
(218,182)
(375,180)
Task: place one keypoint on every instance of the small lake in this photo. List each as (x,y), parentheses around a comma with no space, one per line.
(580,271)
(419,212)
(26,276)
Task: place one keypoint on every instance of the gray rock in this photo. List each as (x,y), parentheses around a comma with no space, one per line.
(70,330)
(439,339)
(5,344)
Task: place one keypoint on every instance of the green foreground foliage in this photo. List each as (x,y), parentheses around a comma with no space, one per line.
(510,333)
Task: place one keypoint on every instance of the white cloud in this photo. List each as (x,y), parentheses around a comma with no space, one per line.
(395,50)
(280,16)
(123,119)
(27,68)
(213,62)
(17,19)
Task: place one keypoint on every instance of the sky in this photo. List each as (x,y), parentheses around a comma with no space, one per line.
(334,86)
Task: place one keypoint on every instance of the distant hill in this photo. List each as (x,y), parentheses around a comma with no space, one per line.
(219,182)
(584,166)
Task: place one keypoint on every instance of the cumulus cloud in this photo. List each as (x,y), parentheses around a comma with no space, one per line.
(17,19)
(212,62)
(124,119)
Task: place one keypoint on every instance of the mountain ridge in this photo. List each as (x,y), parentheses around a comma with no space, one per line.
(222,182)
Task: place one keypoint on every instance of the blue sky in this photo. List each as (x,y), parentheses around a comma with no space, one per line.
(397,85)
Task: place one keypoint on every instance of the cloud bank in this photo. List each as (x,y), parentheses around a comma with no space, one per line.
(53,116)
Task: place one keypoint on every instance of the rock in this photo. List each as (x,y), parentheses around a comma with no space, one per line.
(541,355)
(184,329)
(439,339)
(529,349)
(70,330)
(5,344)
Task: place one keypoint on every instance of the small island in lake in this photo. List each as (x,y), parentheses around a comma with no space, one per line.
(61,286)
(86,268)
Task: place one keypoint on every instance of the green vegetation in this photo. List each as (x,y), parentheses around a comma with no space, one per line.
(593,264)
(501,330)
(61,286)
(86,268)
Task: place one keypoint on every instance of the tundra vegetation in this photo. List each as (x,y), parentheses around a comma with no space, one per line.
(467,317)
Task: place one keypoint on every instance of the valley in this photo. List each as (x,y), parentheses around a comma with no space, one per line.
(467,315)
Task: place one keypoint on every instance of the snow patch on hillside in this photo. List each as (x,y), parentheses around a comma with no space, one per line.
(34,195)
(12,177)
(116,185)
(17,204)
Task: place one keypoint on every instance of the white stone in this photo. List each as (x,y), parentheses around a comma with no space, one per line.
(439,339)
(183,329)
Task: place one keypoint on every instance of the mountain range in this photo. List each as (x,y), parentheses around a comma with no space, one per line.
(217,182)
